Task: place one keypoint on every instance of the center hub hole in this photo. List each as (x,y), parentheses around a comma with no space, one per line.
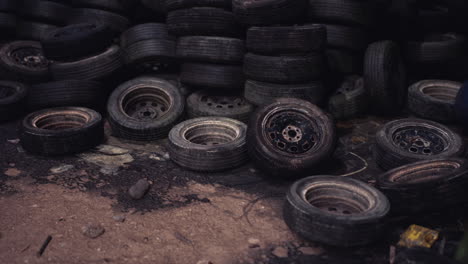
(292,133)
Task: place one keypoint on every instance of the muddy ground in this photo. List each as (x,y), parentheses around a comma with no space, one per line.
(186,217)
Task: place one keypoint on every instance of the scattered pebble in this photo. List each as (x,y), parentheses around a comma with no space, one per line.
(254,243)
(280,252)
(139,190)
(61,169)
(111,150)
(14,141)
(12,172)
(311,250)
(252,170)
(93,231)
(119,218)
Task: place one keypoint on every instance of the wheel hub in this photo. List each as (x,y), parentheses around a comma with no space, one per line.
(419,141)
(221,102)
(29,57)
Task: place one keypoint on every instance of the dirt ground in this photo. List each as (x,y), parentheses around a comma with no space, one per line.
(186,217)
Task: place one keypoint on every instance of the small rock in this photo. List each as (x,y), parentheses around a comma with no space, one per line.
(311,250)
(61,168)
(12,172)
(280,252)
(252,170)
(139,190)
(14,141)
(93,231)
(166,156)
(119,218)
(254,243)
(111,150)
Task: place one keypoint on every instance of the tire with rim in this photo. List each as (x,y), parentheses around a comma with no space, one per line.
(384,76)
(212,76)
(282,40)
(336,211)
(285,69)
(211,49)
(434,99)
(208,103)
(144,109)
(91,68)
(28,30)
(60,131)
(45,11)
(409,140)
(350,99)
(182,4)
(12,98)
(23,61)
(208,144)
(261,93)
(269,12)
(290,137)
(440,183)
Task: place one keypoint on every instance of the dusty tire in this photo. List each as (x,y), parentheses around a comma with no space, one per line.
(211,49)
(208,144)
(440,183)
(90,68)
(45,11)
(434,99)
(344,61)
(283,69)
(409,140)
(336,211)
(152,52)
(213,76)
(28,30)
(12,98)
(261,93)
(23,61)
(282,40)
(341,12)
(142,32)
(60,131)
(7,25)
(350,99)
(144,109)
(182,4)
(108,5)
(290,137)
(116,22)
(208,103)
(436,49)
(345,37)
(269,12)
(384,76)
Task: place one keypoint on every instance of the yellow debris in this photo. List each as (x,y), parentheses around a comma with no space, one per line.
(418,236)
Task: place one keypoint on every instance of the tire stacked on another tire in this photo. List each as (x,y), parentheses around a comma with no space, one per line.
(8,19)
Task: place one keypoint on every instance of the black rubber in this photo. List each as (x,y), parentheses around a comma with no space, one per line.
(283,40)
(270,12)
(227,77)
(76,41)
(157,6)
(28,30)
(12,97)
(45,11)
(208,144)
(261,93)
(202,21)
(304,126)
(8,5)
(435,49)
(209,103)
(144,109)
(434,99)
(350,99)
(66,93)
(91,68)
(108,5)
(344,61)
(211,49)
(182,4)
(385,77)
(147,31)
(419,255)
(7,25)
(336,211)
(389,154)
(346,37)
(285,69)
(61,131)
(23,61)
(116,22)
(440,183)
(341,12)
(153,51)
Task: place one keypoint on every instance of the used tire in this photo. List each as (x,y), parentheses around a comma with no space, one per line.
(290,137)
(90,68)
(440,183)
(208,103)
(211,49)
(461,105)
(344,61)
(8,5)
(45,11)
(7,25)
(65,93)
(23,61)
(142,32)
(12,97)
(158,6)
(151,52)
(384,76)
(144,109)
(28,30)
(436,49)
(109,5)
(261,93)
(283,69)
(182,4)
(76,41)
(341,12)
(117,23)
(269,12)
(282,40)
(434,99)
(350,99)
(208,144)
(336,211)
(346,37)
(60,131)
(202,21)
(214,76)
(409,140)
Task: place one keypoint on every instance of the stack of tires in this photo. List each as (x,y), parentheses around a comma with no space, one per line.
(8,19)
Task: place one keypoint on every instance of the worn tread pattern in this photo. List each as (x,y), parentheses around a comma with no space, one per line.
(228,77)
(211,49)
